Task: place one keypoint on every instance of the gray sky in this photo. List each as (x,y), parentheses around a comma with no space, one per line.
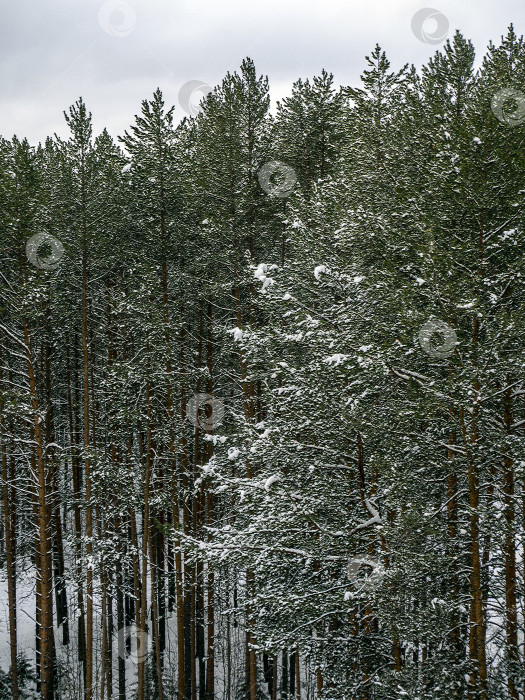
(115,53)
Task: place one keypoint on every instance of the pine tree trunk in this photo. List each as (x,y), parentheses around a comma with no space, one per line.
(10,539)
(284,675)
(452,519)
(510,558)
(87,475)
(155,618)
(120,626)
(297,675)
(180,569)
(58,548)
(210,611)
(142,627)
(477,622)
(44,572)
(77,486)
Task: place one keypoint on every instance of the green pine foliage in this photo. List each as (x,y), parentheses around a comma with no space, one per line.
(354,494)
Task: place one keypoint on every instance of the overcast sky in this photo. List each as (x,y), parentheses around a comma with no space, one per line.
(115,53)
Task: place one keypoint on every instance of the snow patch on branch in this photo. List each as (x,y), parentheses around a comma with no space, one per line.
(319,270)
(374,520)
(271,481)
(260,274)
(335,360)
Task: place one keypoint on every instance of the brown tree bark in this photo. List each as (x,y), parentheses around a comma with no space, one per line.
(44,572)
(58,546)
(76,471)
(477,622)
(510,557)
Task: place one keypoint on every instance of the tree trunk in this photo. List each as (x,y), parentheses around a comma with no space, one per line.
(77,486)
(10,539)
(510,558)
(87,475)
(45,573)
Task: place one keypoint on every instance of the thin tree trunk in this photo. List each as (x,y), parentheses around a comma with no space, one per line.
(297,675)
(77,479)
(210,649)
(141,630)
(120,626)
(155,618)
(510,559)
(180,568)
(87,475)
(58,547)
(45,573)
(477,623)
(284,675)
(10,541)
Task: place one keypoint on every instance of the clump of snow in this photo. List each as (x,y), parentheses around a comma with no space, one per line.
(271,481)
(319,270)
(335,360)
(260,274)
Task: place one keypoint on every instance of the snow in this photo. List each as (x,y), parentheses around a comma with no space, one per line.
(271,481)
(260,274)
(320,269)
(374,520)
(335,360)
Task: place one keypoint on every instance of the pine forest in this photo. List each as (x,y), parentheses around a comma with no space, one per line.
(262,392)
